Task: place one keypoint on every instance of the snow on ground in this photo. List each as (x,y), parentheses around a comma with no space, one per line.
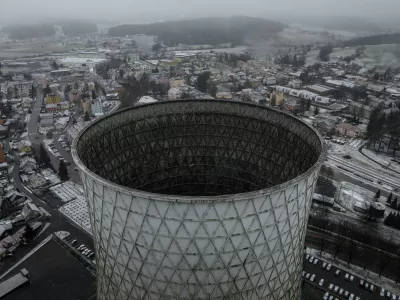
(377,280)
(67,191)
(357,157)
(77,211)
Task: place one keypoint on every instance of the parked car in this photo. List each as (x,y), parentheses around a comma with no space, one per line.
(346,294)
(347,276)
(351,297)
(304,273)
(336,289)
(328,267)
(330,287)
(324,265)
(366,285)
(307,256)
(312,277)
(351,277)
(311,259)
(361,282)
(371,288)
(308,275)
(321,282)
(315,261)
(326,296)
(382,293)
(337,273)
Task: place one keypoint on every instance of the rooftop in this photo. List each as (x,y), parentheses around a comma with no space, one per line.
(55,274)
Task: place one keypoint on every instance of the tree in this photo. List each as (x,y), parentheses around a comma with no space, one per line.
(63,171)
(377,194)
(29,233)
(86,118)
(201,82)
(156,47)
(54,65)
(324,52)
(44,157)
(32,92)
(316,110)
(49,134)
(212,88)
(273,100)
(394,203)
(93,94)
(389,199)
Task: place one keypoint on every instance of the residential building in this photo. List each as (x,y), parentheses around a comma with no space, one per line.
(177,82)
(53,98)
(348,130)
(97,108)
(27,165)
(37,181)
(174,93)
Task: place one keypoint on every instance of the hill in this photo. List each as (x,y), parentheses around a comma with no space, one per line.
(79,28)
(20,32)
(379,39)
(211,31)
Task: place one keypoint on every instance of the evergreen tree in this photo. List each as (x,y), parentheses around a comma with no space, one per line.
(86,118)
(378,194)
(44,157)
(201,82)
(389,199)
(394,203)
(273,100)
(63,171)
(316,110)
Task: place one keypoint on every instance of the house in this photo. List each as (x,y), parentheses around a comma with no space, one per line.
(348,130)
(223,95)
(37,181)
(24,146)
(177,82)
(53,98)
(13,199)
(291,105)
(52,107)
(270,80)
(46,123)
(295,83)
(174,93)
(61,123)
(30,211)
(27,165)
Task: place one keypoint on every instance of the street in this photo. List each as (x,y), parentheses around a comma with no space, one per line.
(58,221)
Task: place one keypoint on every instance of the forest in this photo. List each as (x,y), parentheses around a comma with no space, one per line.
(20,32)
(78,28)
(378,39)
(210,31)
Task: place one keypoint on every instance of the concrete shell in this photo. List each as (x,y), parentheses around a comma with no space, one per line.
(232,230)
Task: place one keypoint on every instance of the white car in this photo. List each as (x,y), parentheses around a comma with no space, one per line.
(307,275)
(351,277)
(382,293)
(312,277)
(330,297)
(326,296)
(371,287)
(337,273)
(328,267)
(330,287)
(311,259)
(341,291)
(304,273)
(394,297)
(336,289)
(315,261)
(347,276)
(307,256)
(351,297)
(346,294)
(324,265)
(321,282)
(366,285)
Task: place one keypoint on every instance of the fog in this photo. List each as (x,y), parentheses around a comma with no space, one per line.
(138,11)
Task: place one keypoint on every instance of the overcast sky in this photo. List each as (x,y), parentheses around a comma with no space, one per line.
(19,10)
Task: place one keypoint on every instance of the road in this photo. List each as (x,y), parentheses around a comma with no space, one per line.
(34,137)
(329,278)
(58,221)
(364,173)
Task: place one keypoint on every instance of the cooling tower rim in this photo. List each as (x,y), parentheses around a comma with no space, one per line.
(196,199)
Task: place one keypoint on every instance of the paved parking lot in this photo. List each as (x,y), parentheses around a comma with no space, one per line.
(352,287)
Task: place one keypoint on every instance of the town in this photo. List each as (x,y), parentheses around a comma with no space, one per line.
(48,99)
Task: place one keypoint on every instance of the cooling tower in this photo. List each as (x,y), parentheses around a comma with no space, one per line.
(198,199)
